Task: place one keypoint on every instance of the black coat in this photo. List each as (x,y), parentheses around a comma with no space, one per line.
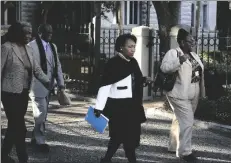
(125,114)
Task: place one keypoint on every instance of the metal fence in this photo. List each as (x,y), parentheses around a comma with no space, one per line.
(107,41)
(213,49)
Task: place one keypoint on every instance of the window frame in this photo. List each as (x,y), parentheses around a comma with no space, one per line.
(126,5)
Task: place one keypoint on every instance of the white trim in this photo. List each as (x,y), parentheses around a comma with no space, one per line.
(124,93)
(102,96)
(127,14)
(112,91)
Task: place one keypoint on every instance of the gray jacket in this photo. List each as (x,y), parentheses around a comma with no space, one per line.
(171,63)
(12,68)
(38,90)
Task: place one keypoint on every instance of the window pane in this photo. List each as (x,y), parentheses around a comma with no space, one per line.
(131,13)
(135,12)
(125,12)
(204,15)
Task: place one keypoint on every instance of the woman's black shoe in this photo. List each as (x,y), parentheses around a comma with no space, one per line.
(105,161)
(190,158)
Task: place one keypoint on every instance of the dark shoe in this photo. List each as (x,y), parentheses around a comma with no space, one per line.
(7,159)
(41,147)
(23,159)
(103,160)
(190,158)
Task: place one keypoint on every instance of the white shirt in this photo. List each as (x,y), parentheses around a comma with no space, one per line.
(48,51)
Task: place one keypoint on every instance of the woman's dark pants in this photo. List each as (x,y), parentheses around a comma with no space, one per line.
(15,106)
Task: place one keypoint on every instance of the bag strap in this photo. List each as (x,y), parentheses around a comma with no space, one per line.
(177,53)
(160,64)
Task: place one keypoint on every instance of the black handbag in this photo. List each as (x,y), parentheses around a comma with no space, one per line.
(165,81)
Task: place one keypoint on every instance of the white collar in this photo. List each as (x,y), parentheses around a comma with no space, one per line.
(123,57)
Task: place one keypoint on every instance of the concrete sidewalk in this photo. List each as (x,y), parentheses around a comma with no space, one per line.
(78,109)
(72,140)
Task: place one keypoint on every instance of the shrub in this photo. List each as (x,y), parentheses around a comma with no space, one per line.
(215,110)
(219,61)
(206,109)
(223,113)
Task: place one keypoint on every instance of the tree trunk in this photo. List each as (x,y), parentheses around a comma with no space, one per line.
(167,16)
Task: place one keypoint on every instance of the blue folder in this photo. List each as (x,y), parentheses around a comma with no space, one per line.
(99,124)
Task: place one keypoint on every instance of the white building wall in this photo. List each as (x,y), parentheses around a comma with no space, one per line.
(185,16)
(212,14)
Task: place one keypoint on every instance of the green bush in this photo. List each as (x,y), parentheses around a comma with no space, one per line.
(221,61)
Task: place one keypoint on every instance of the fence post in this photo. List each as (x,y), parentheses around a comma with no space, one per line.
(142,53)
(96,53)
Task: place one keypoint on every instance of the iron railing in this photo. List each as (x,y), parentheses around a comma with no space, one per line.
(213,49)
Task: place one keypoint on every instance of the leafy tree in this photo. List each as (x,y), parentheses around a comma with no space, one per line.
(116,9)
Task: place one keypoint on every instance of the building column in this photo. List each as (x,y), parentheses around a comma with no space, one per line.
(142,53)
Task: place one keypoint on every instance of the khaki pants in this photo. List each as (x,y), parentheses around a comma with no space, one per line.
(182,123)
(39,106)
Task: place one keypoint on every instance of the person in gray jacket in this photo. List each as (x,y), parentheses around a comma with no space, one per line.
(47,57)
(18,69)
(184,96)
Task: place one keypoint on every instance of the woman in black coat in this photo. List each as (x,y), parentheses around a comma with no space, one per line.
(120,99)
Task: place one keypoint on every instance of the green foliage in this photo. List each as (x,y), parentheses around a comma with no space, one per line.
(219,61)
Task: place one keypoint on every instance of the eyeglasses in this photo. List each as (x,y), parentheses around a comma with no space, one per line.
(190,42)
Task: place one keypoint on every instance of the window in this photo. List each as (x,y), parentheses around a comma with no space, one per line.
(131,12)
(193,15)
(205,16)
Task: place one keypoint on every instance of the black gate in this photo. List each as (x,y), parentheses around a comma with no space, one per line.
(73,35)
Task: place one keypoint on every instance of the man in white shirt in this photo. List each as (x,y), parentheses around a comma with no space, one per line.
(47,57)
